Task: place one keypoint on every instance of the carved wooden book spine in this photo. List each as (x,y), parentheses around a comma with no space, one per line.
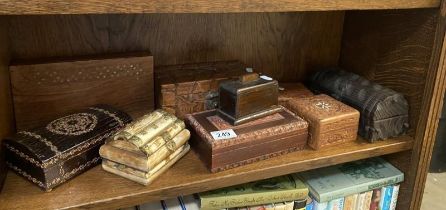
(151,145)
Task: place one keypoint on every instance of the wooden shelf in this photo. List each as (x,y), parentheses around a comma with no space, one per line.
(99,189)
(8,7)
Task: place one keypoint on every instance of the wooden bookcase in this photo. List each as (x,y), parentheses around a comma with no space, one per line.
(399,44)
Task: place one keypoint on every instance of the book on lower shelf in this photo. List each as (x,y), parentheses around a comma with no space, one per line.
(376,182)
(273,190)
(190,202)
(346,179)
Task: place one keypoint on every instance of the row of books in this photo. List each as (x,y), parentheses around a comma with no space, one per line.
(384,198)
(192,202)
(361,185)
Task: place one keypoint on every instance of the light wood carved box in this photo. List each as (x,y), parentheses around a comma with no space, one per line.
(330,121)
(396,43)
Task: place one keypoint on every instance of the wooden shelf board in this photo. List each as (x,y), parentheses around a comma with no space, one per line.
(99,189)
(8,7)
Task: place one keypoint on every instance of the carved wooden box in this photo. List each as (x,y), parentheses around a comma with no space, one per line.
(330,121)
(260,139)
(384,112)
(248,98)
(45,90)
(189,88)
(56,152)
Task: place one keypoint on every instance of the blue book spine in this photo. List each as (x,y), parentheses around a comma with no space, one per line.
(310,205)
(387,198)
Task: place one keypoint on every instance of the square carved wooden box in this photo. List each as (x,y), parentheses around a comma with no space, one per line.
(331,122)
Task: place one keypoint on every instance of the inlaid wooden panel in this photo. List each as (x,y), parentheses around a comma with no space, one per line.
(6,116)
(44,91)
(198,6)
(283,45)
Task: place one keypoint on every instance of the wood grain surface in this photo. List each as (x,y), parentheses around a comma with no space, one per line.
(44,91)
(282,45)
(101,190)
(6,119)
(391,48)
(430,112)
(397,49)
(198,6)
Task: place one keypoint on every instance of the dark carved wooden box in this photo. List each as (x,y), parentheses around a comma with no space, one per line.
(248,98)
(189,88)
(52,154)
(260,139)
(384,112)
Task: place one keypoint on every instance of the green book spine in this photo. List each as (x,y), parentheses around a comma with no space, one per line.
(274,190)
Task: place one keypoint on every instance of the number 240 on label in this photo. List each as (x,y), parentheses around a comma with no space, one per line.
(223,134)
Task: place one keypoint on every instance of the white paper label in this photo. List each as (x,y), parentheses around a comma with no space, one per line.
(249,70)
(223,134)
(266,77)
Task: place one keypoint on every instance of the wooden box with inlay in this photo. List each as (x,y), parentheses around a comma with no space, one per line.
(51,154)
(45,90)
(330,121)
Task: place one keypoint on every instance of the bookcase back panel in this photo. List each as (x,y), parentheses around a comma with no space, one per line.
(392,48)
(284,45)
